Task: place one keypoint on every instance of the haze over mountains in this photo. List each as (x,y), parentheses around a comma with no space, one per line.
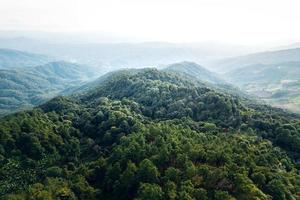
(272,76)
(277,84)
(268,57)
(195,70)
(23,86)
(112,56)
(19,59)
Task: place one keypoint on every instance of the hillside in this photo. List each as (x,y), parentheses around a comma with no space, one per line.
(87,87)
(266,58)
(23,88)
(12,58)
(278,84)
(194,70)
(202,76)
(190,70)
(150,135)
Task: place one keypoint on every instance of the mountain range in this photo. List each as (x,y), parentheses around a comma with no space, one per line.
(13,59)
(266,58)
(277,84)
(150,134)
(195,70)
(271,76)
(115,55)
(23,88)
(178,131)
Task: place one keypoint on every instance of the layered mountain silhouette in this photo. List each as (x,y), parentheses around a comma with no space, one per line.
(26,87)
(18,59)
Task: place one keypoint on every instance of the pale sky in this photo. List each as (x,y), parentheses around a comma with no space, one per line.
(230,21)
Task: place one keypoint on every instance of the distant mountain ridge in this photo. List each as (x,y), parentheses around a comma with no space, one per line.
(10,58)
(195,70)
(278,84)
(191,71)
(26,87)
(198,73)
(266,58)
(113,56)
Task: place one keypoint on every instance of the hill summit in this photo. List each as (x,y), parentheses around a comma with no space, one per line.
(150,135)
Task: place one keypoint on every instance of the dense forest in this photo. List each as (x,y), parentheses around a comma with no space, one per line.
(150,135)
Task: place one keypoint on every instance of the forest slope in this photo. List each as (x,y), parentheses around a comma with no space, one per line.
(153,135)
(23,88)
(10,58)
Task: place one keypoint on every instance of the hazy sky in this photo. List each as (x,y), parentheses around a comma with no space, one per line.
(230,21)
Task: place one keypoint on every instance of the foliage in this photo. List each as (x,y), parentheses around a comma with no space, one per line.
(153,135)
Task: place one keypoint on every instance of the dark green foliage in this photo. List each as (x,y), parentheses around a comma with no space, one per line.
(150,135)
(167,96)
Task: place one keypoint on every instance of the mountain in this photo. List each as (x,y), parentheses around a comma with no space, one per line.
(266,58)
(194,70)
(12,58)
(85,88)
(278,84)
(190,70)
(26,87)
(272,76)
(150,135)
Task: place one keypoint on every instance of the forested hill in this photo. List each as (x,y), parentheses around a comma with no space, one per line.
(150,135)
(187,70)
(10,58)
(197,73)
(27,87)
(194,70)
